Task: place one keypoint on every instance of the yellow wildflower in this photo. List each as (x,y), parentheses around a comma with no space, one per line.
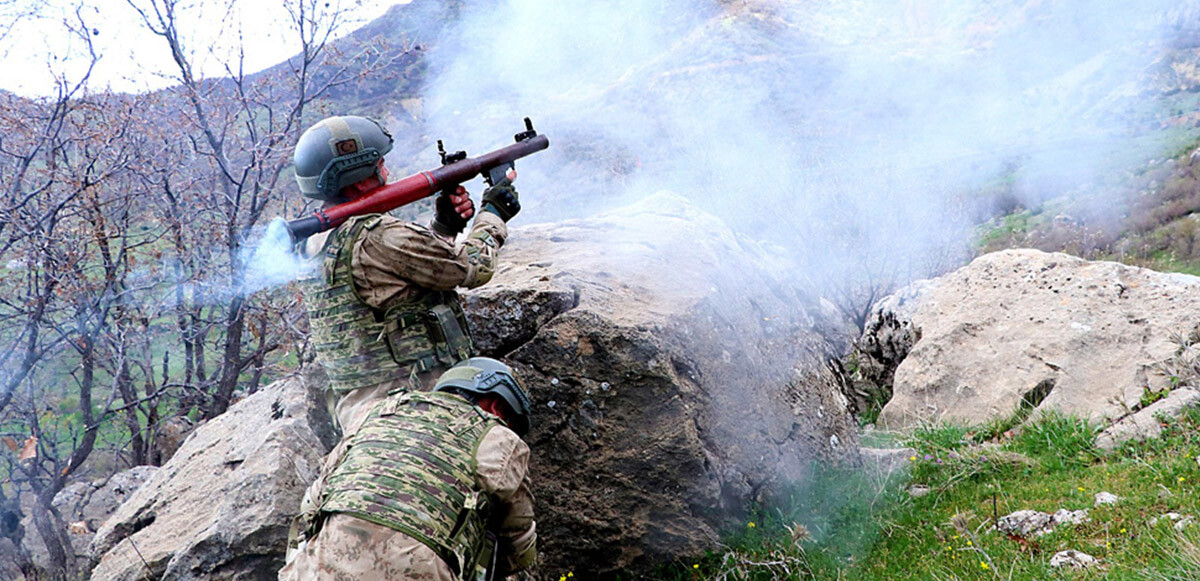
(983,565)
(750,524)
(696,565)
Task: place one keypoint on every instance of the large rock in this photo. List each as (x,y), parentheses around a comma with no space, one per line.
(675,379)
(84,506)
(1050,330)
(220,508)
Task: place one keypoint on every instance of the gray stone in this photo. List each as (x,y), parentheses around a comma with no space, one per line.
(1145,423)
(1170,516)
(1026,523)
(220,508)
(1184,523)
(717,387)
(1073,559)
(1033,523)
(10,556)
(1051,330)
(1103,498)
(1070,517)
(84,506)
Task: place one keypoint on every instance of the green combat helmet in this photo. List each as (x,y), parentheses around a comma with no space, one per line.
(337,152)
(484,375)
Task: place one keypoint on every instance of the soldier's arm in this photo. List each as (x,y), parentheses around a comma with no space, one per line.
(503,472)
(396,254)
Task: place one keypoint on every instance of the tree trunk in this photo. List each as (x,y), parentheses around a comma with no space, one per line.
(231,367)
(54,534)
(130,396)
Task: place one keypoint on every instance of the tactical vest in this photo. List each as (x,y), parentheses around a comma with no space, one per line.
(360,346)
(411,467)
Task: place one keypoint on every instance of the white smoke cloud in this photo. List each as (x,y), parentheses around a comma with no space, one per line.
(840,129)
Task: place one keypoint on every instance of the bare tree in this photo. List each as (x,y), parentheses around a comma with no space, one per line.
(239,130)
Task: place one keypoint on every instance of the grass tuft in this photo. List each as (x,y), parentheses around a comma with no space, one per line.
(1060,442)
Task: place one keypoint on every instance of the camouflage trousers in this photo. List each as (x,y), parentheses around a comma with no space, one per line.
(352,549)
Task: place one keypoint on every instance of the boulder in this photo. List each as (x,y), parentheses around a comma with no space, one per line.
(675,379)
(84,506)
(1028,328)
(220,508)
(1147,422)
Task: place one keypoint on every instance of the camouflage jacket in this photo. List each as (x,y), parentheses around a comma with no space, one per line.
(439,470)
(380,280)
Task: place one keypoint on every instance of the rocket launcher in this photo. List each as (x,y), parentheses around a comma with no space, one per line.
(456,169)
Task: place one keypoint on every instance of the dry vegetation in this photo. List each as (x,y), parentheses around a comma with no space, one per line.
(124,224)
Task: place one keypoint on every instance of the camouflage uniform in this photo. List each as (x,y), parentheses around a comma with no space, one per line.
(410,494)
(380,279)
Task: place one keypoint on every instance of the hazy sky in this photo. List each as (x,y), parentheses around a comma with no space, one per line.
(38,48)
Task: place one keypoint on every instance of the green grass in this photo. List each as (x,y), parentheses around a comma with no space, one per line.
(1011,227)
(855,526)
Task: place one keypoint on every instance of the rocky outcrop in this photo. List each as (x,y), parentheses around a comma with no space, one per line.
(1044,331)
(84,506)
(674,380)
(220,508)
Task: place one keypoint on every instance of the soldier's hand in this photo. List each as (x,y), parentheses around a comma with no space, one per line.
(501,199)
(452,211)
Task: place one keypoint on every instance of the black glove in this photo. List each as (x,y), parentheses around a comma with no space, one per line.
(446,220)
(501,200)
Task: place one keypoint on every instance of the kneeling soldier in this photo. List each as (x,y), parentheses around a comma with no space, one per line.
(433,485)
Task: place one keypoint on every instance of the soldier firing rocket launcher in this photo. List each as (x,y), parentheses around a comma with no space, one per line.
(456,169)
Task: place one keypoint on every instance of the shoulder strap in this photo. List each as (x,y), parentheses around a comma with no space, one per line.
(339,248)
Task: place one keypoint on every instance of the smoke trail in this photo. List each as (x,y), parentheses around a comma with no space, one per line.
(270,261)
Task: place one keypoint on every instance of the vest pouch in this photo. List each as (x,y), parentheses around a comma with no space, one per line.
(449,335)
